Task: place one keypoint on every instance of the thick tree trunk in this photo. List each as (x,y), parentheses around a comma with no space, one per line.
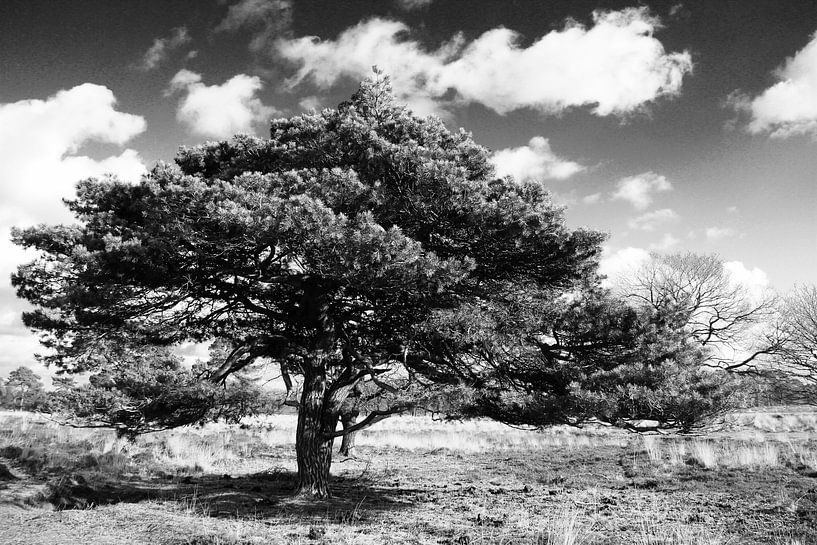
(313,450)
(347,444)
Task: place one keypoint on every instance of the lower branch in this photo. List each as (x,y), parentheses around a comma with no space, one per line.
(373,418)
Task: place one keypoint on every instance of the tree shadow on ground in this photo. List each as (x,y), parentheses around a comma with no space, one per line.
(258,495)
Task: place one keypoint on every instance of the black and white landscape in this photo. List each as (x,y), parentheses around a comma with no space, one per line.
(408,271)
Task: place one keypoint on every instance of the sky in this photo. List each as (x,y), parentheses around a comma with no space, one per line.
(672,126)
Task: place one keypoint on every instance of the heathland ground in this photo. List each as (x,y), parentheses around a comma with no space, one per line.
(752,479)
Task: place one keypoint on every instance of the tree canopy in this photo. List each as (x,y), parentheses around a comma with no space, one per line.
(590,357)
(330,249)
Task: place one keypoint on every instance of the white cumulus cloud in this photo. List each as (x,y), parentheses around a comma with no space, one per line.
(651,220)
(219,111)
(535,161)
(755,280)
(39,144)
(789,107)
(376,42)
(615,66)
(40,162)
(638,190)
(620,265)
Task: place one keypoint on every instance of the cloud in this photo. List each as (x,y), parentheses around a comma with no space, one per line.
(789,107)
(19,345)
(536,161)
(370,43)
(667,242)
(615,66)
(413,5)
(162,47)
(219,111)
(265,19)
(40,141)
(593,198)
(755,280)
(638,190)
(620,265)
(717,233)
(651,220)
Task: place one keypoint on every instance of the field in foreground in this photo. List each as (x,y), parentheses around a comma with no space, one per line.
(414,480)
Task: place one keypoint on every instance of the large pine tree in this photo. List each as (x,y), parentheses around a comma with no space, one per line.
(328,249)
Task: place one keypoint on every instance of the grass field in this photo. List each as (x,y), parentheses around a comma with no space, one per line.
(414,480)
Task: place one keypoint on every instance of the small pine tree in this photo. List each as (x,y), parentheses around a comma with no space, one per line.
(25,390)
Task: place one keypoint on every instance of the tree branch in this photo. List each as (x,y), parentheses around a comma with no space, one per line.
(373,418)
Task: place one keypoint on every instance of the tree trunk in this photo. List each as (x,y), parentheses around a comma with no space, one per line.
(347,444)
(313,450)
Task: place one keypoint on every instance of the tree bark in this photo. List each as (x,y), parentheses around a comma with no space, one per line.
(313,440)
(347,444)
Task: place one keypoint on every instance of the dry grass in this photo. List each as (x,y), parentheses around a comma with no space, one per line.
(417,481)
(711,454)
(568,529)
(705,454)
(426,433)
(675,534)
(181,451)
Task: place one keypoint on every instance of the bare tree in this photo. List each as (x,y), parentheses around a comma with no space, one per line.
(695,294)
(799,325)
